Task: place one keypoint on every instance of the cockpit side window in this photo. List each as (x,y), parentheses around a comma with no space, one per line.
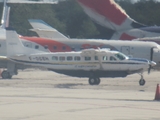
(120,56)
(112,58)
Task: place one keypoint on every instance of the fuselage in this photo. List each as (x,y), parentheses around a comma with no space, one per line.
(136,49)
(85,61)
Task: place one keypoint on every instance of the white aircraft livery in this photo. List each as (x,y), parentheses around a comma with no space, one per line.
(91,63)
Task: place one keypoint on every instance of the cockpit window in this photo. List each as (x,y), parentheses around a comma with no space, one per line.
(120,56)
(112,58)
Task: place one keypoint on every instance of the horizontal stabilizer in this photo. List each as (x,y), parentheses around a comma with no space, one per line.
(33,1)
(45,30)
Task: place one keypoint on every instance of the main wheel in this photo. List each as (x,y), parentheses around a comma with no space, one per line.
(142,82)
(92,81)
(97,81)
(6,75)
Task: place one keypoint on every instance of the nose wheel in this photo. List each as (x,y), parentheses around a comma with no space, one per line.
(94,81)
(142,81)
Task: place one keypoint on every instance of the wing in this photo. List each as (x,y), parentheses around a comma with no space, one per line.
(32,1)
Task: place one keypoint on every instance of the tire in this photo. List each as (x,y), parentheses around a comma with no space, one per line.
(142,82)
(6,75)
(92,81)
(98,81)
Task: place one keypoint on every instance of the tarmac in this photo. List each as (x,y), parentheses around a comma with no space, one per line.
(45,95)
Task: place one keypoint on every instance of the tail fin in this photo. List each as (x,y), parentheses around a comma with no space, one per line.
(5,15)
(15,46)
(109,14)
(45,30)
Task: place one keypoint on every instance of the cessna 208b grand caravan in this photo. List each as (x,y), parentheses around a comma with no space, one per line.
(89,63)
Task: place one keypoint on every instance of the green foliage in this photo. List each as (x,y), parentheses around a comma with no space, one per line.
(69,18)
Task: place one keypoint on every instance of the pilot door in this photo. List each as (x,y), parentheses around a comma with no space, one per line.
(155,54)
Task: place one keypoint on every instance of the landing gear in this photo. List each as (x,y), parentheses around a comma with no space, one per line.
(94,81)
(142,81)
(6,75)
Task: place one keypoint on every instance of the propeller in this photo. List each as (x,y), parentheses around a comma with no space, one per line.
(151,64)
(149,69)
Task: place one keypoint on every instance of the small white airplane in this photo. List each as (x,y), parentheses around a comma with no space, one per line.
(90,63)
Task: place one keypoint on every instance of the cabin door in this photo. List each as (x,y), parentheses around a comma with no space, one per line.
(125,50)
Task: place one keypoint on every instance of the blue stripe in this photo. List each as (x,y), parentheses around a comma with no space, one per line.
(70,64)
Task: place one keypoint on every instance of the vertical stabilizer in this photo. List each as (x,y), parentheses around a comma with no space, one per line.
(15,46)
(109,14)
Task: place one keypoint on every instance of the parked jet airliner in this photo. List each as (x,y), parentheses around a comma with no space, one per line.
(89,63)
(109,14)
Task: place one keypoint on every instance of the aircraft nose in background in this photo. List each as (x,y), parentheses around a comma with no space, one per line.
(152,63)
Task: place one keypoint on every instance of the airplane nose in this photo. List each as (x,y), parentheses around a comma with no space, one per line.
(152,63)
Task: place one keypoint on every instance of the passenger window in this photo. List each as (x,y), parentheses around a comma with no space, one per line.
(61,58)
(55,58)
(54,47)
(73,49)
(46,46)
(36,47)
(105,58)
(96,57)
(112,58)
(87,58)
(64,47)
(69,58)
(77,58)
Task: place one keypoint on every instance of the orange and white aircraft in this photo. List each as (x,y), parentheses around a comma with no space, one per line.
(109,14)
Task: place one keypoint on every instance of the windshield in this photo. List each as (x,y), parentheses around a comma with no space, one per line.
(121,56)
